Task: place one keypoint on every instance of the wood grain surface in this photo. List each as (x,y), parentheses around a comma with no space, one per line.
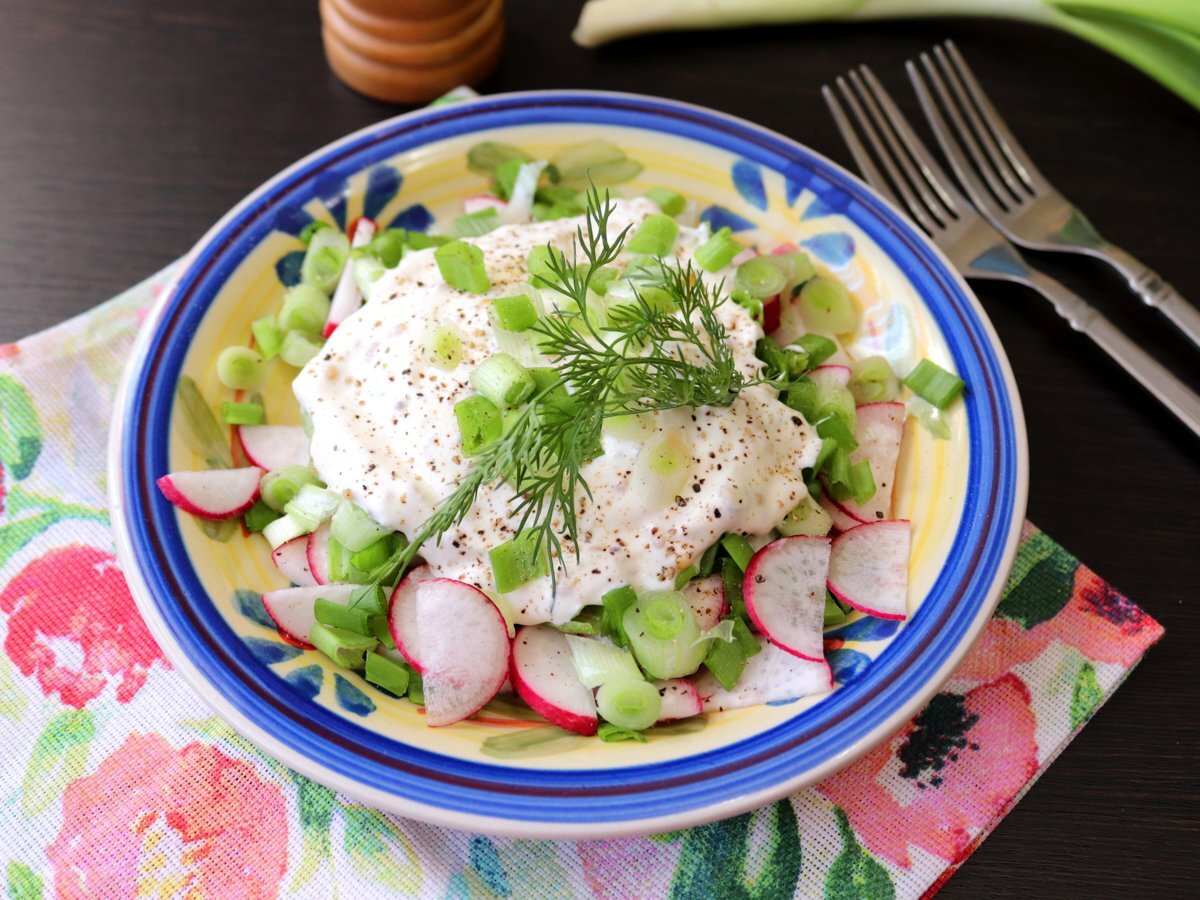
(128,127)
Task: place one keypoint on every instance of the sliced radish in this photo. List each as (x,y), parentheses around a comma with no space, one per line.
(772,314)
(830,374)
(769,676)
(785,593)
(842,520)
(352,231)
(462,643)
(291,559)
(744,255)
(346,297)
(213,493)
(402,614)
(479,202)
(292,608)
(879,431)
(272,447)
(868,568)
(784,249)
(544,676)
(680,700)
(706,597)
(316,551)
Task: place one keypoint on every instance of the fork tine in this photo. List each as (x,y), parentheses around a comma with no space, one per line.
(1020,161)
(989,161)
(915,208)
(934,174)
(862,158)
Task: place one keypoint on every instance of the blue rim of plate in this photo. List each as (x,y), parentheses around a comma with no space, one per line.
(578,802)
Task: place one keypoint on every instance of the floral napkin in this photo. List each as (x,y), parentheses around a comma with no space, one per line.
(117,781)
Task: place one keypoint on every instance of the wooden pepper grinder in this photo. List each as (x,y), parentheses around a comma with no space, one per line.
(412,51)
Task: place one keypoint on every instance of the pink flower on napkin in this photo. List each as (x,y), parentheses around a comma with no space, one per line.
(153,820)
(947,774)
(74,601)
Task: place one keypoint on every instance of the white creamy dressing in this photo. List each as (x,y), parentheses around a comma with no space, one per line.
(385,435)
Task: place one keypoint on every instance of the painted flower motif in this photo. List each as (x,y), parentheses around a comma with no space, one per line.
(155,821)
(921,787)
(73,623)
(1104,625)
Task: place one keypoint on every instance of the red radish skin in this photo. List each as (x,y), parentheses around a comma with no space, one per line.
(772,314)
(784,249)
(346,296)
(480,202)
(706,597)
(842,520)
(784,589)
(291,609)
(317,552)
(879,430)
(868,568)
(213,493)
(352,231)
(771,675)
(462,643)
(291,559)
(402,614)
(831,374)
(272,447)
(544,676)
(680,700)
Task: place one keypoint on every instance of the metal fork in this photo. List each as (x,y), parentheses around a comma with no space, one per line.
(973,246)
(1010,191)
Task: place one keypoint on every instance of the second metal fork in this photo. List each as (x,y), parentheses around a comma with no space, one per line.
(973,245)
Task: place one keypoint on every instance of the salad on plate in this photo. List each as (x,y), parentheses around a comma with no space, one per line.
(578,447)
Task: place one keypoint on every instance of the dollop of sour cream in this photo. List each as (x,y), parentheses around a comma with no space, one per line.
(384,435)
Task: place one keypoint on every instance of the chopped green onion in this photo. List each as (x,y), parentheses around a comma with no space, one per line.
(834,614)
(817,347)
(284,529)
(484,158)
(354,529)
(598,662)
(761,277)
(415,240)
(325,258)
(598,162)
(475,224)
(614,603)
(347,649)
(335,615)
(601,278)
(538,264)
(806,518)
(367,270)
(590,621)
(515,313)
(387,246)
(827,306)
(709,560)
(835,427)
(279,487)
(663,632)
(932,383)
(298,349)
(305,309)
(268,336)
(862,482)
(731,580)
(242,413)
(829,446)
(669,201)
(683,576)
(739,549)
(929,416)
(479,421)
(506,176)
(629,704)
(387,673)
(313,504)
(655,236)
(381,632)
(718,251)
(373,555)
(797,267)
(461,264)
(839,474)
(240,368)
(611,734)
(259,516)
(339,562)
(726,661)
(307,232)
(370,598)
(503,380)
(444,347)
(752,305)
(416,688)
(747,641)
(515,563)
(873,381)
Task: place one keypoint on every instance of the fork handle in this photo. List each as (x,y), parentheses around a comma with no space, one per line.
(1155,292)
(1153,376)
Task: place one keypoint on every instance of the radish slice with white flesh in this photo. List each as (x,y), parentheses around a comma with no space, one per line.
(785,593)
(272,447)
(462,643)
(520,198)
(830,374)
(770,675)
(544,676)
(706,597)
(879,429)
(291,559)
(402,614)
(744,255)
(213,493)
(479,202)
(317,553)
(292,608)
(842,520)
(868,568)
(346,297)
(680,700)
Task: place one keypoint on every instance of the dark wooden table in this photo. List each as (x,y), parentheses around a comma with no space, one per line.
(127,127)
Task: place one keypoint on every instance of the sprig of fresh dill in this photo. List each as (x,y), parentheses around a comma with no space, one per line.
(665,348)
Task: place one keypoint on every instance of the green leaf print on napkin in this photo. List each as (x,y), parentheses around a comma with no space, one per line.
(59,757)
(855,874)
(1045,588)
(23,883)
(380,853)
(20,432)
(316,804)
(712,861)
(1085,696)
